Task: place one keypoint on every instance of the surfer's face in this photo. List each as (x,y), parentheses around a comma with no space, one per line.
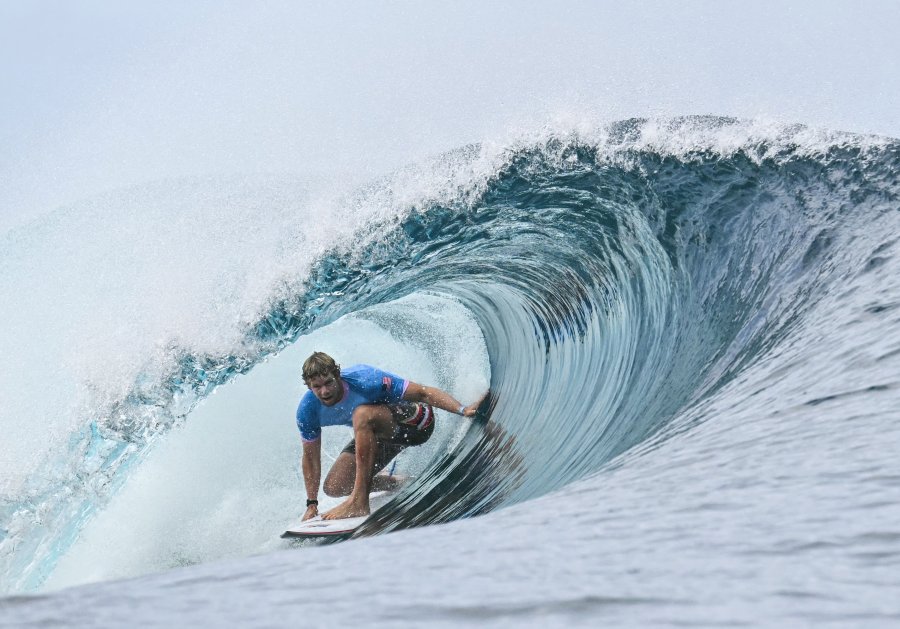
(327,389)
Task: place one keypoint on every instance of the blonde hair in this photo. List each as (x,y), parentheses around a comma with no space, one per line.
(320,364)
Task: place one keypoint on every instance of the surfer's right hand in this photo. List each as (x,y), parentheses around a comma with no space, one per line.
(472,409)
(311,512)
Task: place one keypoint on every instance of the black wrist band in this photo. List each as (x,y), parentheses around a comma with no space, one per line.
(310,503)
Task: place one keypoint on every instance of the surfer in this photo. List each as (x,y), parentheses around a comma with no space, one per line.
(388,415)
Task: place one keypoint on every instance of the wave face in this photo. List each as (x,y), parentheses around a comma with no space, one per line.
(658,301)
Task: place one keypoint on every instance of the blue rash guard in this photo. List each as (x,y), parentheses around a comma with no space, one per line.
(363,384)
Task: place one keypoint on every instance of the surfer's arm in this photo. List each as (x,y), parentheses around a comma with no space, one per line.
(439,399)
(312,472)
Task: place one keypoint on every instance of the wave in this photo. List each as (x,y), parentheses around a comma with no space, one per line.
(620,276)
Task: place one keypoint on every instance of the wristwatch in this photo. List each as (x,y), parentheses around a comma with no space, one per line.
(310,503)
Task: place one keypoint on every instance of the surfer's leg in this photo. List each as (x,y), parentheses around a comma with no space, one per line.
(342,475)
(339,481)
(370,421)
(413,426)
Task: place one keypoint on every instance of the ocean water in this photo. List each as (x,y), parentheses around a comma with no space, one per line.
(688,327)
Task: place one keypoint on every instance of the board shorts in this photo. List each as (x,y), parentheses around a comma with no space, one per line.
(413,425)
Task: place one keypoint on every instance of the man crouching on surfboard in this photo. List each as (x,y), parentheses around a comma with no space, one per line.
(388,414)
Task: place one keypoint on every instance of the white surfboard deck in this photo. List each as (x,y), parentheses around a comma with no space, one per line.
(317,527)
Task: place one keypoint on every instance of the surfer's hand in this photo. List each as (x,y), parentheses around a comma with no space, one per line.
(311,512)
(472,409)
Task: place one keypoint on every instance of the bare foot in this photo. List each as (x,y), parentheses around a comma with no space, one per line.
(347,509)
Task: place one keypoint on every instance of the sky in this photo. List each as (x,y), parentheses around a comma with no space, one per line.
(98,95)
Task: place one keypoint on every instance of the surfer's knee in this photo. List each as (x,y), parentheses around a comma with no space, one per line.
(363,416)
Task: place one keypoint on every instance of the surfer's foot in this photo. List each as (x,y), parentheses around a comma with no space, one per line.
(347,509)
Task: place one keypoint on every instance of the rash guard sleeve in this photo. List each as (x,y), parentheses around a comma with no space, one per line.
(308,418)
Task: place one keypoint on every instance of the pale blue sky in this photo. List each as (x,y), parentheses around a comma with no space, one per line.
(98,95)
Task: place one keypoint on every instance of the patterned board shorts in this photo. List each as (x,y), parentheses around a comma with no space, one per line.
(413,425)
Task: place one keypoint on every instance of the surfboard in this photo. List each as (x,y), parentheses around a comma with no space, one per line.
(317,527)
